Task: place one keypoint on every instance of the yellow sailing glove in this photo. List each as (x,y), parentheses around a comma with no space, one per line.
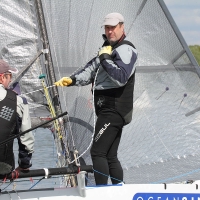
(65,81)
(105,49)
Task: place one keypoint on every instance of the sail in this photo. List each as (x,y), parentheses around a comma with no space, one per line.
(161,144)
(23,45)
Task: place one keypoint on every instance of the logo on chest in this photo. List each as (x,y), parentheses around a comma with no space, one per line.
(101,101)
(6,113)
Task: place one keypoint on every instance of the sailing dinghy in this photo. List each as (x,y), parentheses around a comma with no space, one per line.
(47,40)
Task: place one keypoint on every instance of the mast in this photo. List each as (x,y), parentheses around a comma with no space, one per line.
(51,75)
(55,109)
(48,58)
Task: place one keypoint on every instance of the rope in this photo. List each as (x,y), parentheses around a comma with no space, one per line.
(37,90)
(95,54)
(62,149)
(36,183)
(4,180)
(175,177)
(54,44)
(94,122)
(52,111)
(107,175)
(6,187)
(59,73)
(56,60)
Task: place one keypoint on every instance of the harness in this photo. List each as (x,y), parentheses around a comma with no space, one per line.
(8,116)
(117,99)
(123,42)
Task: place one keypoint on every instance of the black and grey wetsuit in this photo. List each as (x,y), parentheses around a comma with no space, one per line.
(115,79)
(113,94)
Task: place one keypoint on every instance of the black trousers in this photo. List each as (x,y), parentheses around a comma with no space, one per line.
(107,136)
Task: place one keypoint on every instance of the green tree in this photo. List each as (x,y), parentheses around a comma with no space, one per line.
(195,49)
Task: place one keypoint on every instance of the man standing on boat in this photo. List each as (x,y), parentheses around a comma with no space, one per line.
(14,117)
(114,73)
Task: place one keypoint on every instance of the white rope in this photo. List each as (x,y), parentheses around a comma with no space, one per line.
(94,122)
(37,90)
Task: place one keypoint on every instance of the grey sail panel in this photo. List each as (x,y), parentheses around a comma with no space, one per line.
(160,134)
(19,44)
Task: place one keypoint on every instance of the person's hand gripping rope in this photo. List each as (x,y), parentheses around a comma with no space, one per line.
(105,50)
(65,81)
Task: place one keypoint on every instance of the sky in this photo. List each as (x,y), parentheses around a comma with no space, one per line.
(186,14)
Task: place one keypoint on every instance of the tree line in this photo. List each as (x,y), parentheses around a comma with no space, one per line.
(195,49)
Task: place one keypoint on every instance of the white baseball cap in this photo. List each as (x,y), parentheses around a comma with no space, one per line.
(112,19)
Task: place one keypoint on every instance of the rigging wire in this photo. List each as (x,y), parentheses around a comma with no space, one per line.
(51,76)
(16,193)
(56,60)
(121,181)
(95,54)
(54,51)
(70,128)
(57,124)
(36,183)
(6,186)
(37,90)
(66,106)
(52,111)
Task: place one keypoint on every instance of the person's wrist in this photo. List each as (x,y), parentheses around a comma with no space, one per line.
(104,56)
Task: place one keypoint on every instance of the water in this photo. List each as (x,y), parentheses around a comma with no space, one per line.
(44,156)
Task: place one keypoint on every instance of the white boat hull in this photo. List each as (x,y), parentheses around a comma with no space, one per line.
(125,191)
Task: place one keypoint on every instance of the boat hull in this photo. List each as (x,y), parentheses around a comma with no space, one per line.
(123,191)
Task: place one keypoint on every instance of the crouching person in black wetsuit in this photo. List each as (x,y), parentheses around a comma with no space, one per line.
(114,68)
(14,117)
